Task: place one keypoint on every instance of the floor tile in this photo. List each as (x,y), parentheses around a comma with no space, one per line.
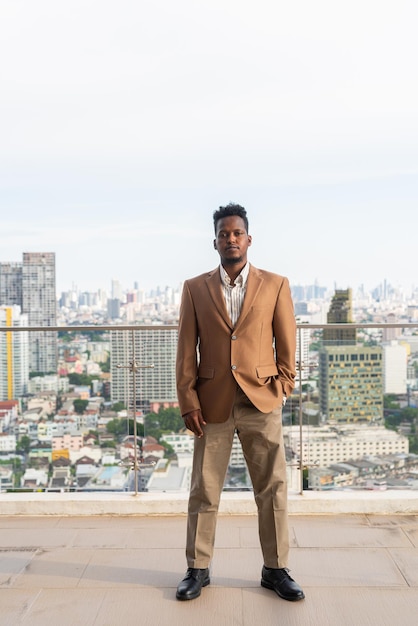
(54,569)
(358,607)
(15,604)
(407,561)
(134,568)
(347,536)
(159,607)
(12,564)
(36,537)
(75,607)
(345,567)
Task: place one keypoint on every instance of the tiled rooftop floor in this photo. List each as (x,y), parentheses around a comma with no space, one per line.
(108,570)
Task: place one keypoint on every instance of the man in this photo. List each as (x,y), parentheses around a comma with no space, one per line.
(235,367)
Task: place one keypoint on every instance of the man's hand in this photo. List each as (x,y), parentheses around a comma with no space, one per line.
(194,422)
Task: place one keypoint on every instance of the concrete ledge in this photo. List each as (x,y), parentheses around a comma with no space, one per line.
(237,503)
(354,502)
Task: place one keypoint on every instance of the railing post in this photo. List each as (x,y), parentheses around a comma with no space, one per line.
(133,367)
(300,367)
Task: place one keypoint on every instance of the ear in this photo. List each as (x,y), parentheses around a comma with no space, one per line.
(250,240)
(214,244)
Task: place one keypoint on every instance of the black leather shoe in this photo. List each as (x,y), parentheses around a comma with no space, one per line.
(280,581)
(191,585)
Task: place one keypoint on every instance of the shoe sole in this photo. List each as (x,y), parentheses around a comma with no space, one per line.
(195,595)
(268,585)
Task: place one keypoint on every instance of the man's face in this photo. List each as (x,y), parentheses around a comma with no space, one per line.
(232,240)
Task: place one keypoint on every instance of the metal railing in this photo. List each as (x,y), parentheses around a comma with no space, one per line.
(300,464)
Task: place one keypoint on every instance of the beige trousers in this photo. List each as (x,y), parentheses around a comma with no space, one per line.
(261,438)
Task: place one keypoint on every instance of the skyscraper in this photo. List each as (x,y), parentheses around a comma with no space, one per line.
(350,375)
(31,286)
(14,354)
(11,284)
(39,303)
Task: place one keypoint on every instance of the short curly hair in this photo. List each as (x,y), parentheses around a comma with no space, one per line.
(230,209)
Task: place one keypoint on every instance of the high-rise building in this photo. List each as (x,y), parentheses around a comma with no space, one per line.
(39,303)
(395,361)
(152,347)
(391,334)
(11,284)
(340,312)
(113,308)
(117,292)
(31,286)
(14,354)
(351,383)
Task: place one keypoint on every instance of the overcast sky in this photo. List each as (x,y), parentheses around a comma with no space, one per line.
(125,123)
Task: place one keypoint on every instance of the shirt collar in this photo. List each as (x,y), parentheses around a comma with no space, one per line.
(240,280)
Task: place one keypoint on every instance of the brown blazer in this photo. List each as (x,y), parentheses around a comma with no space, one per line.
(212,356)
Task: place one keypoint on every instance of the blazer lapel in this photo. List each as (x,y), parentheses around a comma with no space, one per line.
(213,282)
(254,283)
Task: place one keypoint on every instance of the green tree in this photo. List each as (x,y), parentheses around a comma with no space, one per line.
(80,405)
(65,337)
(118,406)
(392,421)
(165,421)
(170,420)
(94,433)
(105,367)
(81,379)
(23,445)
(152,426)
(390,401)
(169,450)
(139,428)
(108,444)
(409,414)
(117,427)
(413,444)
(121,427)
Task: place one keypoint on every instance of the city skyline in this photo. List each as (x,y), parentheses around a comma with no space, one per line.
(125,125)
(106,285)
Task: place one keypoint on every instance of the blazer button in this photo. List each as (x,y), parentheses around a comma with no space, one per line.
(233,337)
(233,367)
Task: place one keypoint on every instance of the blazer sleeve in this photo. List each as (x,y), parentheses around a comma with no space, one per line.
(284,328)
(186,361)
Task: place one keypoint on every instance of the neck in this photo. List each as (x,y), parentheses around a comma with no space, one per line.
(233,269)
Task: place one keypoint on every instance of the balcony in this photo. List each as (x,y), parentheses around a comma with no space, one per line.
(118,556)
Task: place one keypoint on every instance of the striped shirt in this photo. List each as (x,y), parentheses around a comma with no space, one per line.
(234,293)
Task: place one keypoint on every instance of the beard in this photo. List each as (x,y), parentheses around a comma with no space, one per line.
(232,260)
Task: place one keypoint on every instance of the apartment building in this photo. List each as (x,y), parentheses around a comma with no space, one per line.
(156,384)
(351,383)
(325,445)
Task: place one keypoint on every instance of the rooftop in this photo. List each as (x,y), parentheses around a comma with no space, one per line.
(100,567)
